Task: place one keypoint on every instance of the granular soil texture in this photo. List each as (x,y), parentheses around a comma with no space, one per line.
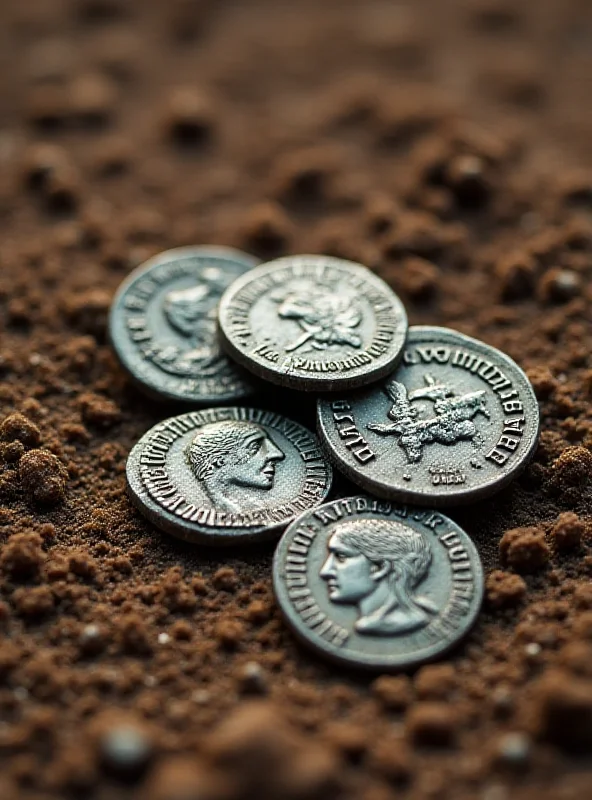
(447,146)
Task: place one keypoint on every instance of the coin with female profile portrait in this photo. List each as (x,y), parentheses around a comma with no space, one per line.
(313,323)
(373,584)
(227,475)
(163,325)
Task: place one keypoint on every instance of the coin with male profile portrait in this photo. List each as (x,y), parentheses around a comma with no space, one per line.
(163,326)
(226,475)
(313,323)
(378,585)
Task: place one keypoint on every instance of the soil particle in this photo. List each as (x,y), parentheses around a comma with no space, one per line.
(17,428)
(564,711)
(524,549)
(430,724)
(43,477)
(504,589)
(393,692)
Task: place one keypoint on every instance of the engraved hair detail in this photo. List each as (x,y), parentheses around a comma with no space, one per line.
(402,547)
(209,448)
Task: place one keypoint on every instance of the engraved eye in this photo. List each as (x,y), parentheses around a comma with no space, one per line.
(340,557)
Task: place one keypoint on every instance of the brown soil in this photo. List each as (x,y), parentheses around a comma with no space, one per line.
(447,145)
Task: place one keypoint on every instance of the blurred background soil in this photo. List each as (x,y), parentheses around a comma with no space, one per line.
(446,145)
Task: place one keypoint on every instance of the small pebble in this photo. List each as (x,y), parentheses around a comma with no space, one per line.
(125,750)
(253,679)
(514,749)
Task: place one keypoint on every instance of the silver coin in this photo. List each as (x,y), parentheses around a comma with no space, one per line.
(313,323)
(164,330)
(455,422)
(373,584)
(227,475)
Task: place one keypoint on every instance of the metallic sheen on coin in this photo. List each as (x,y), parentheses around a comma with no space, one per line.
(455,422)
(227,475)
(373,584)
(163,325)
(313,323)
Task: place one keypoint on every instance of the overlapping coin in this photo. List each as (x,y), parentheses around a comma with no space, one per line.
(455,422)
(227,475)
(313,323)
(372,584)
(163,325)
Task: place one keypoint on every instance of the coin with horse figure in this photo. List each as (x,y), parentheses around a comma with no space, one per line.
(313,323)
(227,475)
(455,422)
(164,330)
(373,584)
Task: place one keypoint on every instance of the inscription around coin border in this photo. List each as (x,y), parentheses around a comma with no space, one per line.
(266,357)
(298,601)
(164,369)
(158,495)
(353,440)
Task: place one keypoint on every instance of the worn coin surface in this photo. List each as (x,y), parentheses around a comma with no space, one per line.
(164,330)
(373,584)
(227,475)
(313,323)
(455,422)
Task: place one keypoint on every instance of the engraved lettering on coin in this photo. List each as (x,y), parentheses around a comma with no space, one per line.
(453,420)
(227,474)
(234,462)
(377,565)
(456,421)
(313,323)
(163,325)
(374,584)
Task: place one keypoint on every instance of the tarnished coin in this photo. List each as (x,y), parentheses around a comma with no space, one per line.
(313,323)
(227,475)
(164,330)
(373,584)
(455,422)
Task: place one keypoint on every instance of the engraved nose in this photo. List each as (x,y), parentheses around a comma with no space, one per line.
(272,453)
(328,570)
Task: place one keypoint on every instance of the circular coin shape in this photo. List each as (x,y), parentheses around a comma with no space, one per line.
(455,422)
(372,584)
(313,323)
(163,325)
(227,475)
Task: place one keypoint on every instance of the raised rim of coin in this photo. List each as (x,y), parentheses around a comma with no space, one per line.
(369,347)
(148,367)
(227,475)
(355,449)
(377,585)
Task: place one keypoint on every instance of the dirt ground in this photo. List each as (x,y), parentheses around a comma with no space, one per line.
(446,145)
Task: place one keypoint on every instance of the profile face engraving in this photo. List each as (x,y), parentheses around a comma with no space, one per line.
(377,565)
(234,461)
(191,313)
(452,421)
(326,318)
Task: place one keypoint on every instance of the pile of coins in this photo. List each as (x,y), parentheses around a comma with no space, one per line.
(420,418)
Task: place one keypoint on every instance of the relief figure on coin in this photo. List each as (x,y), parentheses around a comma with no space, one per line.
(451,422)
(191,315)
(377,566)
(235,464)
(325,317)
